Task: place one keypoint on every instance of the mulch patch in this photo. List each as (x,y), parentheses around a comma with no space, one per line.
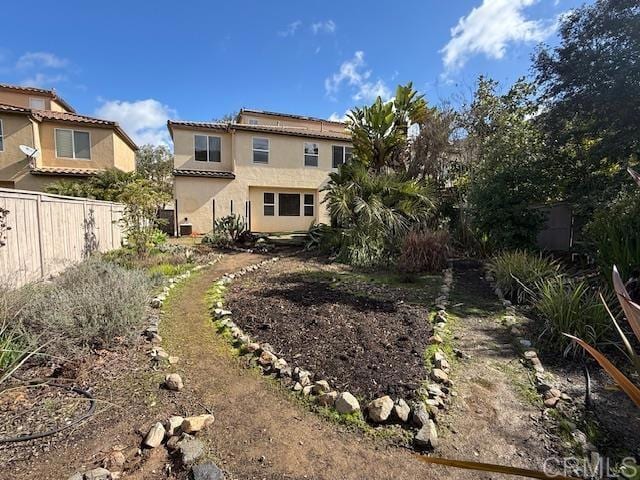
(368,346)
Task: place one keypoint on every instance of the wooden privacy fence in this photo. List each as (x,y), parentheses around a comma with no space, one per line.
(42,234)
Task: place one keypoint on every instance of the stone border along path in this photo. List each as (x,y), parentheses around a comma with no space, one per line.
(543,381)
(422,415)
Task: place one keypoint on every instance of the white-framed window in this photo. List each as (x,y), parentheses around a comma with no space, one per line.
(311,154)
(1,136)
(73,144)
(341,155)
(288,204)
(36,103)
(260,150)
(309,204)
(269,204)
(207,148)
(253,121)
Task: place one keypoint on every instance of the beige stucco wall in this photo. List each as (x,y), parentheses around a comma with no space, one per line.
(102,147)
(285,172)
(17,130)
(9,97)
(282,121)
(184,150)
(124,155)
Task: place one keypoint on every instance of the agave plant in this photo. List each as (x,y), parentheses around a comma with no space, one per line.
(632,313)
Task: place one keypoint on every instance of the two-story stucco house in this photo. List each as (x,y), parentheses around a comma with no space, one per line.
(268,167)
(69,145)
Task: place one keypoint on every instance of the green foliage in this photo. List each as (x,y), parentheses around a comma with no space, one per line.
(572,307)
(324,238)
(379,131)
(15,343)
(591,100)
(107,185)
(226,231)
(517,272)
(509,177)
(374,211)
(424,251)
(615,230)
(95,304)
(155,163)
(142,200)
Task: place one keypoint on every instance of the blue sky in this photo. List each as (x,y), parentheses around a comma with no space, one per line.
(140,63)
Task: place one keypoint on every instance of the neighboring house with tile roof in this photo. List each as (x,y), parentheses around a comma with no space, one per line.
(69,145)
(268,167)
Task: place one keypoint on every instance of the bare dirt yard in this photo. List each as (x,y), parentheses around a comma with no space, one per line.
(363,338)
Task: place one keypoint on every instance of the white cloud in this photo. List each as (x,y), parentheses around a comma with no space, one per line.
(41,60)
(336,117)
(144,120)
(328,26)
(291,29)
(489,28)
(43,80)
(353,72)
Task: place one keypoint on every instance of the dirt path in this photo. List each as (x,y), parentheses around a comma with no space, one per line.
(259,432)
(495,417)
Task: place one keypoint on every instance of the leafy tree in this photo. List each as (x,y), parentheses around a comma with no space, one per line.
(155,163)
(379,131)
(591,91)
(107,185)
(374,211)
(69,188)
(508,177)
(142,199)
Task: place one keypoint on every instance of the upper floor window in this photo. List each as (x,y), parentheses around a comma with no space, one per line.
(341,155)
(73,144)
(260,150)
(253,121)
(1,136)
(36,103)
(310,154)
(207,148)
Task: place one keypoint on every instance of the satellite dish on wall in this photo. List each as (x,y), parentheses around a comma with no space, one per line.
(29,151)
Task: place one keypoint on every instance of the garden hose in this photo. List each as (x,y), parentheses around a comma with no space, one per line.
(90,411)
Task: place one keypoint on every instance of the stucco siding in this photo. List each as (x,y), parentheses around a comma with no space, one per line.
(184,150)
(102,149)
(124,156)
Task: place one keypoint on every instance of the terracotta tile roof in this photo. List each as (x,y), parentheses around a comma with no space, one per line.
(40,91)
(203,173)
(64,171)
(227,127)
(287,115)
(13,109)
(41,115)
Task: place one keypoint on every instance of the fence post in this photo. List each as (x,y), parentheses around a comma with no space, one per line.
(40,234)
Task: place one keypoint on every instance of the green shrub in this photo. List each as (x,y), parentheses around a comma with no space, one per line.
(572,307)
(424,251)
(516,272)
(94,304)
(324,238)
(15,344)
(216,238)
(232,225)
(615,230)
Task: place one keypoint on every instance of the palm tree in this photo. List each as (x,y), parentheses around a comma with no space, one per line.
(374,210)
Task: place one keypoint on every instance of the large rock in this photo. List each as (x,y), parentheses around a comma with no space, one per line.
(173,424)
(97,474)
(379,409)
(420,416)
(197,423)
(401,410)
(427,436)
(155,436)
(439,376)
(347,403)
(207,471)
(266,358)
(191,450)
(173,381)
